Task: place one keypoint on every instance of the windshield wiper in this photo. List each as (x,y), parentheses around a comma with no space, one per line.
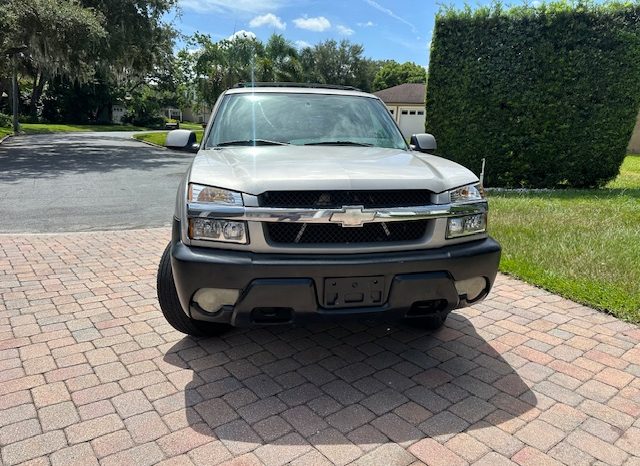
(252,142)
(338,143)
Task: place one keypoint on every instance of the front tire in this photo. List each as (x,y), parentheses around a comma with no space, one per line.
(171,307)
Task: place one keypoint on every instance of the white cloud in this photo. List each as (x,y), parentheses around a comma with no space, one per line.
(368,24)
(390,13)
(302,44)
(242,34)
(344,30)
(233,6)
(317,24)
(268,20)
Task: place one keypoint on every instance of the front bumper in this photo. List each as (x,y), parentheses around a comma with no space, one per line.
(292,285)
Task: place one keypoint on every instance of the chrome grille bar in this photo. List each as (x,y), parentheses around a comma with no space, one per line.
(347,215)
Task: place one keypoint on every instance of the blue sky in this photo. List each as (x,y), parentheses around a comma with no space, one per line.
(388,29)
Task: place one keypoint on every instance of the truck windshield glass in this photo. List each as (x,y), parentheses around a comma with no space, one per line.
(304,119)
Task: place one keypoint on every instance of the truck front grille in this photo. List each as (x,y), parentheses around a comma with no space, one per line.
(327,233)
(337,199)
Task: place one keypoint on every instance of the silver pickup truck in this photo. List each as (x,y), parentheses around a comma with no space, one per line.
(304,203)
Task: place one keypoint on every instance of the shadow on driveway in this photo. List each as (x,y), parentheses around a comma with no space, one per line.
(343,384)
(51,156)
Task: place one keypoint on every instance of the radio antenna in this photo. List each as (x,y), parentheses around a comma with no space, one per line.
(482,172)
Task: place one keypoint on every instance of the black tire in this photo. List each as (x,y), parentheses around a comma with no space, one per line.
(171,307)
(433,322)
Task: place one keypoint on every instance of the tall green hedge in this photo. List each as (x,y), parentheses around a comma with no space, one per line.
(548,94)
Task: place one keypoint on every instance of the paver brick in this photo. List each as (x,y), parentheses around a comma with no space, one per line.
(93,428)
(335,446)
(146,427)
(540,435)
(17,413)
(184,440)
(19,431)
(111,443)
(58,416)
(467,447)
(33,447)
(77,455)
(433,453)
(211,453)
(597,448)
(131,403)
(141,455)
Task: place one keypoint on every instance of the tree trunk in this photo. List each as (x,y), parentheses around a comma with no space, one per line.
(38,86)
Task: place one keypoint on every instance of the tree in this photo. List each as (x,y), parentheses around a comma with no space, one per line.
(61,37)
(336,63)
(120,44)
(393,73)
(279,62)
(218,66)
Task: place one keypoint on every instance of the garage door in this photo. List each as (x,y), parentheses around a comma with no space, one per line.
(411,121)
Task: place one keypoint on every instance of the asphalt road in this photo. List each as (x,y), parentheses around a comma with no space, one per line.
(86,182)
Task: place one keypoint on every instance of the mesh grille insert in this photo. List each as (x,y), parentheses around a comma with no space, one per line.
(320,233)
(337,199)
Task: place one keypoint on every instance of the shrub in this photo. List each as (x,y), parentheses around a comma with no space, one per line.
(146,121)
(549,94)
(5,121)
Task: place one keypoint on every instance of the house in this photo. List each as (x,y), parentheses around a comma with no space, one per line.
(634,144)
(196,113)
(406,103)
(118,111)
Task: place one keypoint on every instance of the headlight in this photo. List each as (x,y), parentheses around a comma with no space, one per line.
(470,193)
(214,229)
(467,225)
(218,230)
(211,195)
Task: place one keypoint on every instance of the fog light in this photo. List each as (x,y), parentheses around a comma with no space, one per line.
(212,299)
(468,225)
(218,230)
(472,287)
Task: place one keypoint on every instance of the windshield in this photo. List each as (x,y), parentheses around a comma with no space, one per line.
(304,119)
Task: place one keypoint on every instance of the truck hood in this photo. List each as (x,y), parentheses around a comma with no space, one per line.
(254,170)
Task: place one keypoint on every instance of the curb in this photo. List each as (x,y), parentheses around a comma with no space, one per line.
(149,143)
(6,137)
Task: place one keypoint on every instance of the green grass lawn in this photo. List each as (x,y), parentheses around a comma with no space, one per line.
(44,128)
(5,131)
(191,126)
(582,244)
(161,137)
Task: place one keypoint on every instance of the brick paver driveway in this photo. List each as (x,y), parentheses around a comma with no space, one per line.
(89,370)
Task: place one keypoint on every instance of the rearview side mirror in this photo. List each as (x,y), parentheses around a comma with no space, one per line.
(423,142)
(182,139)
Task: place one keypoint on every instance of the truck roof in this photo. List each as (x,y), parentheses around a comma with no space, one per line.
(298,88)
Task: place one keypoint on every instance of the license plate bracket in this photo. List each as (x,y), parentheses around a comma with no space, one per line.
(348,292)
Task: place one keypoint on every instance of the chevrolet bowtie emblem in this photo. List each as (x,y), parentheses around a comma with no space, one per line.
(353,216)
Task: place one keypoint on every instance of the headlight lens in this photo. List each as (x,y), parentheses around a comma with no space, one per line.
(218,230)
(467,225)
(211,195)
(215,229)
(470,193)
